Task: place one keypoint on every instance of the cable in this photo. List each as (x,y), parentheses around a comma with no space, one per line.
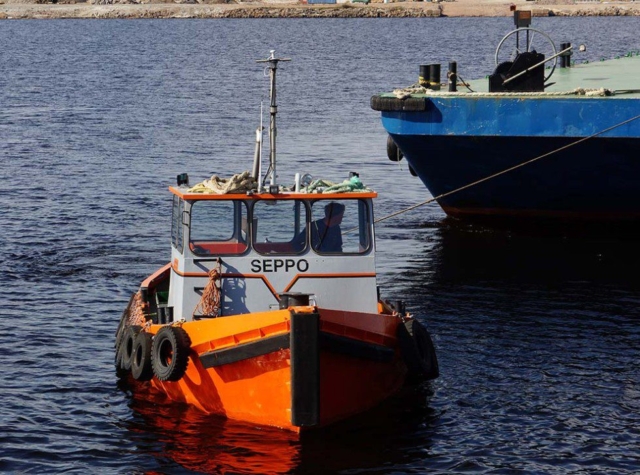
(482,180)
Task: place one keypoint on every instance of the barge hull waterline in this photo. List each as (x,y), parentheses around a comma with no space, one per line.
(567,184)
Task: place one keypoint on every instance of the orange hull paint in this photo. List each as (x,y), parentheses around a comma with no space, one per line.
(255,390)
(258,389)
(349,386)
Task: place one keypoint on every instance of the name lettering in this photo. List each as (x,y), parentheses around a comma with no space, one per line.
(275,265)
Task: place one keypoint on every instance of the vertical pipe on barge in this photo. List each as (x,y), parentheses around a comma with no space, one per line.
(453,76)
(434,77)
(423,76)
(565,58)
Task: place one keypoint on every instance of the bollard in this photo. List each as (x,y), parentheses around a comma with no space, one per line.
(453,76)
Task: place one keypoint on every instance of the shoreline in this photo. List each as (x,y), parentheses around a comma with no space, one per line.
(457,8)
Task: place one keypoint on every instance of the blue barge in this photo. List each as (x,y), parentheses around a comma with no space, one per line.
(565,149)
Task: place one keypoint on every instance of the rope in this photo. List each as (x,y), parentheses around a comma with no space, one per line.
(465,83)
(136,311)
(415,89)
(352,185)
(625,91)
(487,178)
(209,305)
(238,183)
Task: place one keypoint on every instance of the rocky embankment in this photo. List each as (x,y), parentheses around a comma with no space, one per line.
(180,10)
(23,9)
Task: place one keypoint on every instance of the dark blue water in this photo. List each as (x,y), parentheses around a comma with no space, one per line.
(537,330)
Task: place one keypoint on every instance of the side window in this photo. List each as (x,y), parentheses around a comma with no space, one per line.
(177,230)
(218,227)
(340,227)
(279,226)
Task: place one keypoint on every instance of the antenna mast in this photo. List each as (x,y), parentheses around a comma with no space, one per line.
(273,110)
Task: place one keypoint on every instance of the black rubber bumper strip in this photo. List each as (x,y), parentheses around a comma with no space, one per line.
(355,348)
(393,104)
(244,351)
(264,346)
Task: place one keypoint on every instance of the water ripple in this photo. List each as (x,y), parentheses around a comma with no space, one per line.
(536,332)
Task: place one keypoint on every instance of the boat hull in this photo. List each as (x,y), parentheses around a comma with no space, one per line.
(594,180)
(296,369)
(565,152)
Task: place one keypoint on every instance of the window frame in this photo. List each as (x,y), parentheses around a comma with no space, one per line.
(260,248)
(363,209)
(216,247)
(177,225)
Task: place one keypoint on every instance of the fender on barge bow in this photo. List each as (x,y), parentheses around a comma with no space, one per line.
(269,310)
(532,141)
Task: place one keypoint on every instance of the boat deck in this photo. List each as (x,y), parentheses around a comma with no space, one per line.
(616,75)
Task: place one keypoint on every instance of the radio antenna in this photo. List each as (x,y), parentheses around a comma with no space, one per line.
(273,110)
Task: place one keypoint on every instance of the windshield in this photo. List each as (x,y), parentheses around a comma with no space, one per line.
(289,227)
(279,227)
(340,227)
(328,227)
(218,227)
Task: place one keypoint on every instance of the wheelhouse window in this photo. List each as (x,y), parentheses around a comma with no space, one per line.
(340,227)
(218,227)
(279,226)
(177,230)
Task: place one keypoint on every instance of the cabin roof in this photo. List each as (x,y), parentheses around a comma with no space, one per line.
(285,195)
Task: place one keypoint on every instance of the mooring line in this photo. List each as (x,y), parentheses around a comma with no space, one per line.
(507,170)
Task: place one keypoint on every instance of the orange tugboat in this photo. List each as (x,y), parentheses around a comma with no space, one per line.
(269,311)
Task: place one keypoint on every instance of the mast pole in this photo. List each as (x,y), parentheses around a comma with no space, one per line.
(273,110)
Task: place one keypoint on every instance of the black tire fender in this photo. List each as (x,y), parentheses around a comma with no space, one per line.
(119,350)
(141,368)
(393,152)
(120,371)
(170,353)
(128,338)
(418,351)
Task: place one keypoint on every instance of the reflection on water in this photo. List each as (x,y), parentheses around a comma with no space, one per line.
(179,436)
(545,254)
(537,335)
(396,434)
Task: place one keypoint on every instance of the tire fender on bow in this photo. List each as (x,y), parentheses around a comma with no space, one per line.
(128,338)
(170,353)
(141,369)
(418,351)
